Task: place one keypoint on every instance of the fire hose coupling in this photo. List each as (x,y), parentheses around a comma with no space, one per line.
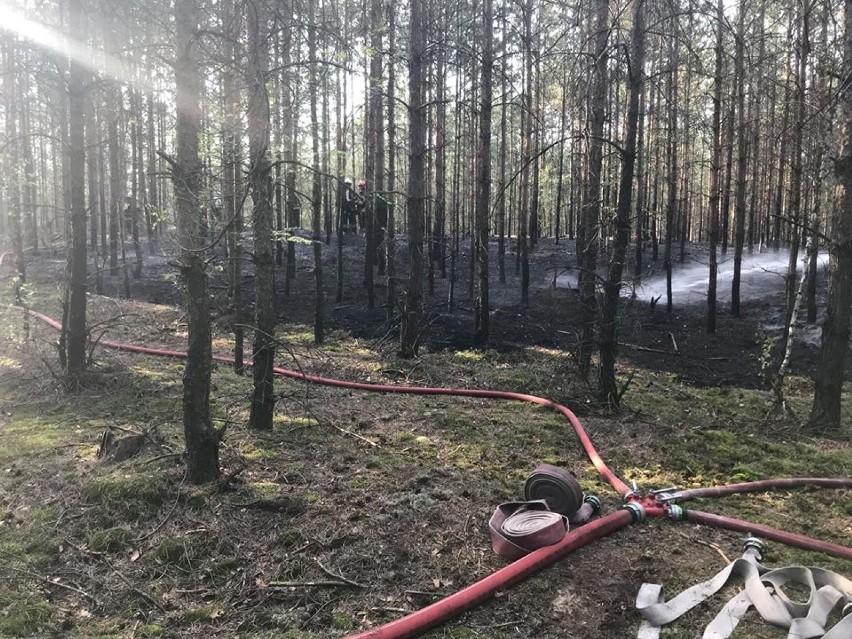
(755,547)
(637,511)
(594,502)
(633,494)
(675,512)
(847,610)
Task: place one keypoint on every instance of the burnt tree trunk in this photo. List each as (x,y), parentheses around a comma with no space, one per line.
(416,204)
(715,171)
(607,388)
(828,381)
(483,181)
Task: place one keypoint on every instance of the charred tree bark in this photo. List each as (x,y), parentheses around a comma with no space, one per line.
(483,187)
(416,205)
(828,381)
(715,171)
(607,388)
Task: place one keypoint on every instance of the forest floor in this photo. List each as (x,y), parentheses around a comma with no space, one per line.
(388,495)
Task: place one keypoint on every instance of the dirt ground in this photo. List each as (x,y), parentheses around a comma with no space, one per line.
(359,507)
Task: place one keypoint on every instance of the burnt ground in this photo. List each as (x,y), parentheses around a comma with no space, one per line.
(389,496)
(672,342)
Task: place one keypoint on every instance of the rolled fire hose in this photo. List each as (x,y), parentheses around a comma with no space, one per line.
(763,590)
(554,500)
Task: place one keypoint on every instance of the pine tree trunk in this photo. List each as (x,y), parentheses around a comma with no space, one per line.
(716,171)
(416,204)
(483,188)
(742,159)
(12,168)
(76,327)
(202,443)
(390,303)
(607,387)
(587,249)
(232,181)
(671,206)
(828,380)
(796,177)
(263,398)
(316,181)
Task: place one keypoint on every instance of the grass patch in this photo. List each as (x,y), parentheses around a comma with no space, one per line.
(110,540)
(25,620)
(26,435)
(131,496)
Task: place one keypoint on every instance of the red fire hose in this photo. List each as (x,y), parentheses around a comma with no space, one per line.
(757,486)
(635,510)
(441,611)
(767,532)
(585,441)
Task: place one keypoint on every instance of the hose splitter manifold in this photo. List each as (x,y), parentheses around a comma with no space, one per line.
(549,524)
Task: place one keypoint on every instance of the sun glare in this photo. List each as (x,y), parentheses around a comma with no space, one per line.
(13,21)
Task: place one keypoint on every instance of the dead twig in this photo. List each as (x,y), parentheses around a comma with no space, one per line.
(99,556)
(336,576)
(644,349)
(708,544)
(322,583)
(674,343)
(168,515)
(357,436)
(54,582)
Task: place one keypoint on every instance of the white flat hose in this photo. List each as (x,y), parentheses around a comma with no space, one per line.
(763,591)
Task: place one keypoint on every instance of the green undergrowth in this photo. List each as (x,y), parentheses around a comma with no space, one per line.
(341,470)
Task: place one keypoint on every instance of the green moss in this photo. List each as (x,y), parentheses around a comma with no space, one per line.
(110,540)
(150,630)
(25,435)
(341,621)
(204,614)
(264,488)
(184,552)
(134,496)
(25,620)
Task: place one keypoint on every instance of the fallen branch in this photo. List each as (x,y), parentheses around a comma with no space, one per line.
(356,435)
(327,583)
(674,343)
(645,349)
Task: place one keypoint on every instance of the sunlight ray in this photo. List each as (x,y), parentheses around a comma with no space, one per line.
(46,37)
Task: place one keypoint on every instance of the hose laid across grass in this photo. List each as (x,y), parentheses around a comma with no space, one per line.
(637,508)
